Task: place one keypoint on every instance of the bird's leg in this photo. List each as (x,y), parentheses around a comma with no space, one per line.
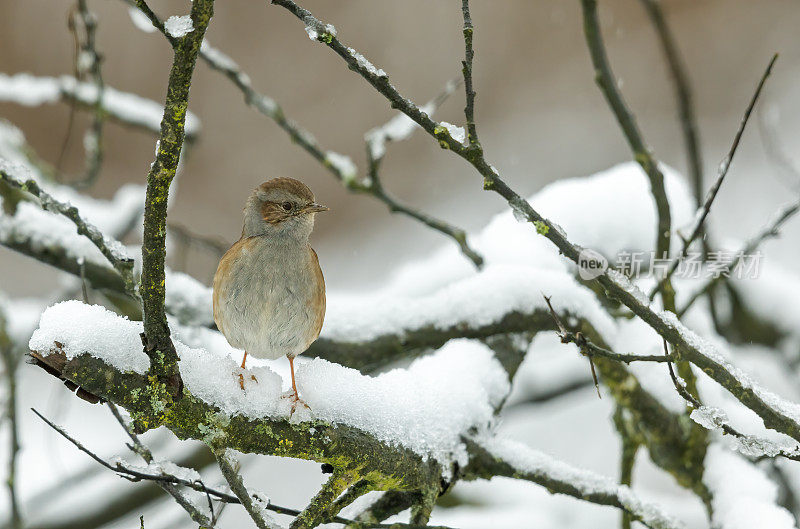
(295,397)
(241,376)
(291,368)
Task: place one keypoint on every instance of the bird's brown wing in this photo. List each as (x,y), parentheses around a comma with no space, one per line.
(319,295)
(223,275)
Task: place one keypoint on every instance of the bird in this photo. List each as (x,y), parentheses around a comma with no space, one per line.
(268,290)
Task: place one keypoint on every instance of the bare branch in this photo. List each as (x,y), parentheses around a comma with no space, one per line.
(683,95)
(770,231)
(158,345)
(345,173)
(466,69)
(608,85)
(703,212)
(234,479)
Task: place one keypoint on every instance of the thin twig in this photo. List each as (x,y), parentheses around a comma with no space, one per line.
(683,96)
(235,482)
(10,359)
(772,230)
(608,85)
(466,69)
(703,212)
(139,448)
(589,350)
(93,140)
(724,426)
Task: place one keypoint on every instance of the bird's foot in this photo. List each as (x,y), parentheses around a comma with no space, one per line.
(296,401)
(241,379)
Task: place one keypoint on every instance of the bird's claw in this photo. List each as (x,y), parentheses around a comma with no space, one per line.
(241,380)
(295,398)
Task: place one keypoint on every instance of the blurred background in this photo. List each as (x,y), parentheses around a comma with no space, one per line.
(540,117)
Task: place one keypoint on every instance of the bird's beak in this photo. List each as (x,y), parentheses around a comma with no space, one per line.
(314,208)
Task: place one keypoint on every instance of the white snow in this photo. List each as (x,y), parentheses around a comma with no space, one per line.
(25,89)
(744,497)
(709,417)
(140,20)
(530,461)
(29,90)
(481,299)
(364,63)
(456,132)
(426,407)
(343,164)
(179,26)
(91,329)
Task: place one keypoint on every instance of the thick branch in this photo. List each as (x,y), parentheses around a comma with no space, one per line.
(158,343)
(347,449)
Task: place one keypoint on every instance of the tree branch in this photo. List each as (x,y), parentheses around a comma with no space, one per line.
(608,85)
(466,69)
(156,331)
(703,212)
(489,460)
(109,247)
(683,96)
(234,479)
(120,107)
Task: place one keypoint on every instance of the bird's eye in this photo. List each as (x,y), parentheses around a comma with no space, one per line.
(287,206)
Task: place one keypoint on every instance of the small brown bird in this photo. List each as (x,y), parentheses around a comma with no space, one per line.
(269,293)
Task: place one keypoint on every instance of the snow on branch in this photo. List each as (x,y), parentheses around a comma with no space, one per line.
(742,495)
(425,408)
(504,457)
(122,107)
(111,248)
(408,423)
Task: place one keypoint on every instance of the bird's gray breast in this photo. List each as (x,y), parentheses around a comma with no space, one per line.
(268,300)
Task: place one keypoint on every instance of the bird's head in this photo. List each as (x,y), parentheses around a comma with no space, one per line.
(281,207)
